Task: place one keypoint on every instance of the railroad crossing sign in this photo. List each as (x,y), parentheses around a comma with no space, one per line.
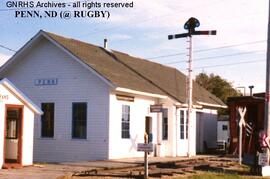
(242,112)
(267,139)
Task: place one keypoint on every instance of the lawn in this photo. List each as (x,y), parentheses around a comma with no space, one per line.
(213,175)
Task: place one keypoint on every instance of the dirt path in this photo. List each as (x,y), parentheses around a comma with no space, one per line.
(169,169)
(128,168)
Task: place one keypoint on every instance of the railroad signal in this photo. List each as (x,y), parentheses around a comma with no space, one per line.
(190,25)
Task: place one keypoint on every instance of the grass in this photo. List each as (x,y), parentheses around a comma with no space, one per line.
(213,175)
(209,175)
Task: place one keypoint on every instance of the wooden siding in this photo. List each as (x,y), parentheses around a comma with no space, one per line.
(139,110)
(75,84)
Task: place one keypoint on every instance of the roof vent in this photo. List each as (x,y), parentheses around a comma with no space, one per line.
(106,44)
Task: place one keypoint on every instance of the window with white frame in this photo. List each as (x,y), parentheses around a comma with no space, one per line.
(125,129)
(183,125)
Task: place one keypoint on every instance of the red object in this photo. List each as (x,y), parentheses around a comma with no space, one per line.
(262,139)
(267,97)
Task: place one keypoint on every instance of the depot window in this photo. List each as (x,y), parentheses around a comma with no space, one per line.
(183,125)
(165,124)
(47,120)
(125,128)
(79,120)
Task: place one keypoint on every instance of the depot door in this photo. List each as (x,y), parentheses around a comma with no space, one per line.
(13,134)
(148,128)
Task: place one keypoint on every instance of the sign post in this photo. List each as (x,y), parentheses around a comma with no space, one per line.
(145,147)
(242,112)
(145,157)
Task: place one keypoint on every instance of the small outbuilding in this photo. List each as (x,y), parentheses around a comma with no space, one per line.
(254,117)
(17,113)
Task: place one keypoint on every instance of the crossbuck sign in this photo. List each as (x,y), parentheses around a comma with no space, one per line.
(242,111)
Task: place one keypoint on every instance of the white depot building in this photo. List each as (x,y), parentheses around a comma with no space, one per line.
(96,102)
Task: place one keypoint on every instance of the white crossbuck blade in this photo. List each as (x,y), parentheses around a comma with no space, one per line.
(242,112)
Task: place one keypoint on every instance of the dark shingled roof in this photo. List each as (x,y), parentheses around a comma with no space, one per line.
(126,71)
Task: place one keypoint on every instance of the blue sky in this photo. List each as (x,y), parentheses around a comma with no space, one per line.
(237,53)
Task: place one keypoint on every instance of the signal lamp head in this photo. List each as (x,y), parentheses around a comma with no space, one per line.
(192,23)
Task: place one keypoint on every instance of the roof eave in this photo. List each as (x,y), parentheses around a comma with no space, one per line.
(126,90)
(20,52)
(185,105)
(18,93)
(212,105)
(30,43)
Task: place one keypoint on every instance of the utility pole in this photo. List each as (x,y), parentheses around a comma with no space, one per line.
(267,92)
(190,25)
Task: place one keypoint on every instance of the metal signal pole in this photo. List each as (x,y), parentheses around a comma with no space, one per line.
(190,25)
(190,89)
(267,92)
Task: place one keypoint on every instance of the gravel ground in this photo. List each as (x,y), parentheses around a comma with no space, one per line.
(159,167)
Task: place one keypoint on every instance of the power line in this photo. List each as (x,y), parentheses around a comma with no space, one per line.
(229,64)
(235,45)
(150,19)
(7,48)
(209,49)
(218,56)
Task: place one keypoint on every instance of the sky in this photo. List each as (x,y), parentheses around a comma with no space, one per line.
(237,53)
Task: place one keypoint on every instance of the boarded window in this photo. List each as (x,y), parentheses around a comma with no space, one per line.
(165,124)
(79,120)
(47,120)
(125,132)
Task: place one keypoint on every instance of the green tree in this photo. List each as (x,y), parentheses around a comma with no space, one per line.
(217,86)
